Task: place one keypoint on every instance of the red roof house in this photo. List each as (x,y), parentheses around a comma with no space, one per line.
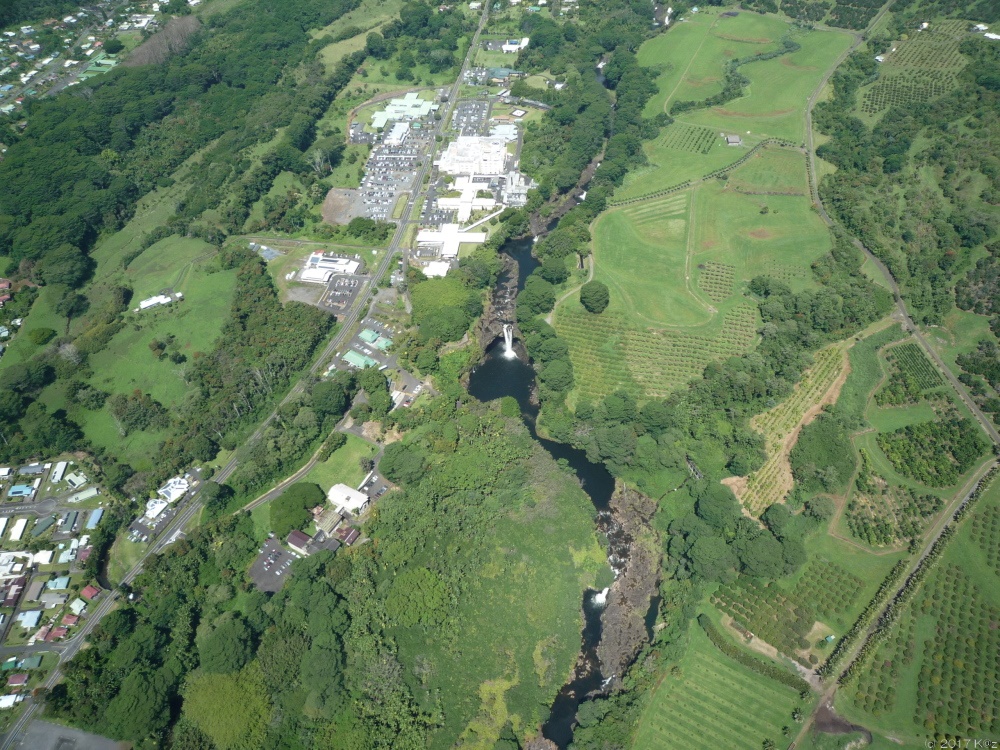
(90,593)
(57,633)
(17,680)
(4,283)
(70,620)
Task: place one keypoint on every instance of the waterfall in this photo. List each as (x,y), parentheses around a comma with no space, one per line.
(508,340)
(601,598)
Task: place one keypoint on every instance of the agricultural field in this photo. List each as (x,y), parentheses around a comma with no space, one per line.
(939,667)
(610,352)
(910,454)
(781,425)
(676,267)
(921,68)
(691,57)
(710,700)
(795,621)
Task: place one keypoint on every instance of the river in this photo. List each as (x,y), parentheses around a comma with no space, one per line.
(499,376)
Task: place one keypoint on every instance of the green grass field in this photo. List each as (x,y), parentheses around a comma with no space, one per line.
(691,57)
(343,466)
(677,267)
(712,701)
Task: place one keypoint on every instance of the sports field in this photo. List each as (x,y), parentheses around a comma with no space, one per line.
(712,701)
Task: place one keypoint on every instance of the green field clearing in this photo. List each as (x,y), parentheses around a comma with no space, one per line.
(730,227)
(887,419)
(959,334)
(774,105)
(284,182)
(343,466)
(714,702)
(638,251)
(939,667)
(692,56)
(771,170)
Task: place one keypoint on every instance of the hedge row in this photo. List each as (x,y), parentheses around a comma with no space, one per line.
(765,668)
(864,620)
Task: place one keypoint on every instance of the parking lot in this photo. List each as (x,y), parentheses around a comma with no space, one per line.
(341,291)
(430,214)
(271,568)
(143,529)
(471,117)
(389,173)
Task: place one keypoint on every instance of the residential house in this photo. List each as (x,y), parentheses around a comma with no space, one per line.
(90,593)
(52,600)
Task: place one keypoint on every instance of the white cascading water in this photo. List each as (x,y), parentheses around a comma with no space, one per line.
(508,340)
(601,598)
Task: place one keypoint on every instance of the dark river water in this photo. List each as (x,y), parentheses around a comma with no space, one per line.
(500,376)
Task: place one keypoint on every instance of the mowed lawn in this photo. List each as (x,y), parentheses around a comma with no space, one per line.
(343,466)
(693,54)
(730,228)
(714,702)
(774,103)
(641,253)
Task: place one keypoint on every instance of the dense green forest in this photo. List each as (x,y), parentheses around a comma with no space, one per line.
(384,646)
(18,11)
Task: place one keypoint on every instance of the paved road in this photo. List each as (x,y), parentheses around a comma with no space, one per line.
(192,506)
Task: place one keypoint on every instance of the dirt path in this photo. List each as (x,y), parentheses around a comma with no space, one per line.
(569,292)
(689,255)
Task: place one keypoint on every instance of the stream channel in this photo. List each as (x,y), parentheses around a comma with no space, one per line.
(497,376)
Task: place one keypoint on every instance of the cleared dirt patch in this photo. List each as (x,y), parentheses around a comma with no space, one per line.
(341,205)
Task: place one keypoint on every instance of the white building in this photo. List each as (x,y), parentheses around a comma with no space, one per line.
(154,508)
(447,239)
(470,200)
(159,299)
(473,154)
(397,134)
(515,45)
(174,489)
(345,498)
(437,269)
(57,473)
(332,263)
(315,276)
(17,530)
(409,107)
